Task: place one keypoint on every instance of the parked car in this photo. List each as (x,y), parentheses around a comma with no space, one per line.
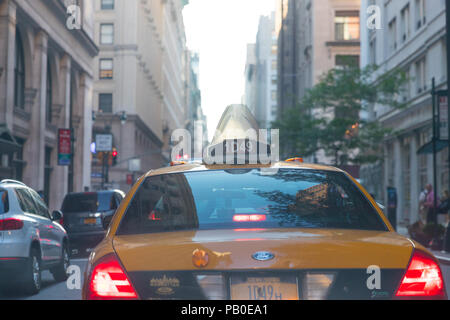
(31,239)
(86,217)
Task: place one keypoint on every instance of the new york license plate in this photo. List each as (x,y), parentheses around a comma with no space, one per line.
(255,288)
(90,221)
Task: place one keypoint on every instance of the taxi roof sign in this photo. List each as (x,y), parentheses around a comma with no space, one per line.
(238,139)
(234,124)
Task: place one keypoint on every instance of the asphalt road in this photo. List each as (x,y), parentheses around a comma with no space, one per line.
(51,290)
(446,274)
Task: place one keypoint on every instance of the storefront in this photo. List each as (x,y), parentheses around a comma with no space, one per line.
(8,148)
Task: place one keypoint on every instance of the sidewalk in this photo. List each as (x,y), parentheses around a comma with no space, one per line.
(443,257)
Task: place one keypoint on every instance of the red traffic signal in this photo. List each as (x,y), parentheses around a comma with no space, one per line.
(115,155)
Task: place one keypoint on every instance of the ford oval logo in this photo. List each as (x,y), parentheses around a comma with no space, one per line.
(263,256)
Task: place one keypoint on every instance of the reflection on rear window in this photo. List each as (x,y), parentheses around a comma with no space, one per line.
(4,203)
(233,199)
(88,202)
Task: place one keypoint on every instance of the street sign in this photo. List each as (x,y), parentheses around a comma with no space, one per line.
(103,143)
(134,165)
(443,115)
(64,147)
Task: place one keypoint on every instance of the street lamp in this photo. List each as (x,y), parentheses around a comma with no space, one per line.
(1,71)
(123,117)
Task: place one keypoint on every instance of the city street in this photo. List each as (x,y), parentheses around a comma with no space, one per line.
(59,291)
(446,274)
(293,154)
(51,290)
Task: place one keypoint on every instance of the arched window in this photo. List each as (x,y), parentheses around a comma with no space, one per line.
(48,96)
(19,73)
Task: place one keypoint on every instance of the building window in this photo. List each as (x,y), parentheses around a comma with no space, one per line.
(346,25)
(106,68)
(105,102)
(406,88)
(373,51)
(274,95)
(274,80)
(343,61)
(421,75)
(274,50)
(392,35)
(420,14)
(107,5)
(48,95)
(107,33)
(19,73)
(405,31)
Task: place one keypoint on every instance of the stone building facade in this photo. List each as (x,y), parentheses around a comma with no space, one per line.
(412,39)
(139,83)
(46,73)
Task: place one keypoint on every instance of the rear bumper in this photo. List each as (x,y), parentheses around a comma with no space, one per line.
(86,238)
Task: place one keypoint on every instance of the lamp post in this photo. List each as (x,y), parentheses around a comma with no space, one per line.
(447,19)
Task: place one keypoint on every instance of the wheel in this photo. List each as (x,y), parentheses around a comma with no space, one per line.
(32,278)
(60,272)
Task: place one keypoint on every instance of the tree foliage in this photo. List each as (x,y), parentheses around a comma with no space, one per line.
(328,117)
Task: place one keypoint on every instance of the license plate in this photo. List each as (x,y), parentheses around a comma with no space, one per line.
(90,221)
(274,288)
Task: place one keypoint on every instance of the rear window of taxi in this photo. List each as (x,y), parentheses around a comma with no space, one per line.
(250,198)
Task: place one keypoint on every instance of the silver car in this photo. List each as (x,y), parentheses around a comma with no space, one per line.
(31,239)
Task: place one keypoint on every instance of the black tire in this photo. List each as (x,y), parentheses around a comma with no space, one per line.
(60,272)
(33,279)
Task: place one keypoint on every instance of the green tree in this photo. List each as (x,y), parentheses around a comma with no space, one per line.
(328,117)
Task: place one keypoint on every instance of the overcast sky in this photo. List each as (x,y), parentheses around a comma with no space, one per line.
(219,31)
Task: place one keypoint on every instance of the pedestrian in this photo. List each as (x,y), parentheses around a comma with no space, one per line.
(444,206)
(430,206)
(422,208)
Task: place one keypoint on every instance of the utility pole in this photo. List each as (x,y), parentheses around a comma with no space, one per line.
(447,10)
(435,137)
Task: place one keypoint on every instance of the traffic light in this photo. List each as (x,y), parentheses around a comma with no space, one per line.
(115,156)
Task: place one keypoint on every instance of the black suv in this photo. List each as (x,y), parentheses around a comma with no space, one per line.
(87,216)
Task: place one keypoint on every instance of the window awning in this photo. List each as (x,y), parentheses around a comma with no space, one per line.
(7,142)
(427,148)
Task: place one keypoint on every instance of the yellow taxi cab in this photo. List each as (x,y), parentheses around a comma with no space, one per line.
(279,231)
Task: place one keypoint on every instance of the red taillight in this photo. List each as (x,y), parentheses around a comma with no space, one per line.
(108,281)
(423,278)
(249,217)
(11,224)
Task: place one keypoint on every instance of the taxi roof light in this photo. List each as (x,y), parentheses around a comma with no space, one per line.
(297,159)
(423,278)
(178,163)
(108,281)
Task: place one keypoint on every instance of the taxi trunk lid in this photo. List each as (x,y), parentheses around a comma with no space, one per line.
(296,252)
